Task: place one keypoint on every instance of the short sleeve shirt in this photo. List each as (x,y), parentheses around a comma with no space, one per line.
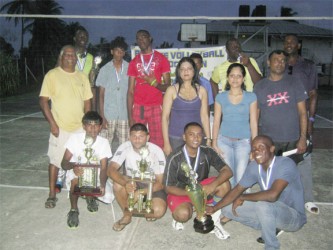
(219,74)
(285,169)
(67,92)
(125,153)
(115,85)
(155,64)
(277,101)
(236,117)
(175,176)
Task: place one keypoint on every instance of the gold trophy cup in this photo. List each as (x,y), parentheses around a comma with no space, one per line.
(202,223)
(145,176)
(88,181)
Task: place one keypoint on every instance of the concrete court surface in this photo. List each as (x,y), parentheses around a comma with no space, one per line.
(26,224)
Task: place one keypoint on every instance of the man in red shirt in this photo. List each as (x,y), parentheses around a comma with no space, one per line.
(149,77)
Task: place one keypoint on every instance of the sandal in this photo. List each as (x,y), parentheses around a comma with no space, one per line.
(311,207)
(51,202)
(73,218)
(120,225)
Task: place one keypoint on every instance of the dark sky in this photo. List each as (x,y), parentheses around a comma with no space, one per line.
(166,30)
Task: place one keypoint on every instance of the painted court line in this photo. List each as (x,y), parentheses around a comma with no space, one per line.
(20,117)
(328,120)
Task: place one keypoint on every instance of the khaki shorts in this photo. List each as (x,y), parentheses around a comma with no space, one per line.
(57,149)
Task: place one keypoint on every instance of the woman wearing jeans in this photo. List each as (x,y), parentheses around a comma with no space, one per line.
(238,110)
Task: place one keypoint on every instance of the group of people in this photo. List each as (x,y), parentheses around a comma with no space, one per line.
(139,105)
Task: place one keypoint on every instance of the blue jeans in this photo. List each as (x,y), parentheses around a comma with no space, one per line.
(236,153)
(305,169)
(267,216)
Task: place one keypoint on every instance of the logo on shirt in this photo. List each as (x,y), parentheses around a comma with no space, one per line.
(278,99)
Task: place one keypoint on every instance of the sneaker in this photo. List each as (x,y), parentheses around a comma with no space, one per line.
(177,225)
(73,218)
(278,233)
(220,233)
(92,204)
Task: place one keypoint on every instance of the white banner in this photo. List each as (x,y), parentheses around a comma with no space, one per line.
(212,57)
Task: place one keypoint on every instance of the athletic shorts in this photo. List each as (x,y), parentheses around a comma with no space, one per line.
(57,149)
(175,200)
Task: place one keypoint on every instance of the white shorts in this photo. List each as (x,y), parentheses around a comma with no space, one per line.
(57,149)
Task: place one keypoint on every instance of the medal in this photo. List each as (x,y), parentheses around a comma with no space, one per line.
(266,185)
(188,159)
(144,65)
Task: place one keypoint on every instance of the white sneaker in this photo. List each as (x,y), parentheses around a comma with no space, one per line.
(177,225)
(220,233)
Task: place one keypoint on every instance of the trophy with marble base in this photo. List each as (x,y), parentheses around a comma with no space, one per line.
(142,177)
(202,223)
(88,181)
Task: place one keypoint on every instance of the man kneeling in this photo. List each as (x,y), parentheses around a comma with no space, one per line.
(280,203)
(76,153)
(200,158)
(129,152)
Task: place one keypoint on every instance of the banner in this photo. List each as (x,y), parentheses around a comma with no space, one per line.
(212,57)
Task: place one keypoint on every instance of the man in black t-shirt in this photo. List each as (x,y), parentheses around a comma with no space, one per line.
(200,158)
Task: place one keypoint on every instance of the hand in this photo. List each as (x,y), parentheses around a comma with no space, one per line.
(209,142)
(301,145)
(238,202)
(167,149)
(149,79)
(55,130)
(245,60)
(78,171)
(217,149)
(130,187)
(102,190)
(210,210)
(209,189)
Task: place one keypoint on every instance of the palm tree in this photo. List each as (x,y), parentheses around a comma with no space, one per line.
(288,12)
(47,34)
(18,7)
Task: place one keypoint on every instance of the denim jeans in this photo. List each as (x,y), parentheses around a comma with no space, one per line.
(305,169)
(236,153)
(267,216)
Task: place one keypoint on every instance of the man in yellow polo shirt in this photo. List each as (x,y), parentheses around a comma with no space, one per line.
(70,93)
(235,54)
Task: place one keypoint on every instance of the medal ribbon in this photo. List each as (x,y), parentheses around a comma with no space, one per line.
(188,159)
(268,176)
(80,64)
(144,65)
(121,72)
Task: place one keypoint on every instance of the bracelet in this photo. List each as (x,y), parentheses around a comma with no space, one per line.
(153,82)
(311,119)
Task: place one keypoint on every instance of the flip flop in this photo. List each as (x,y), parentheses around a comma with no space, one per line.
(311,207)
(120,225)
(51,202)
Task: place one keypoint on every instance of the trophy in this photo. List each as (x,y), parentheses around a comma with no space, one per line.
(202,223)
(144,175)
(88,181)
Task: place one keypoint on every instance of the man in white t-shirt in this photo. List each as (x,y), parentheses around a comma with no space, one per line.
(129,154)
(86,148)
